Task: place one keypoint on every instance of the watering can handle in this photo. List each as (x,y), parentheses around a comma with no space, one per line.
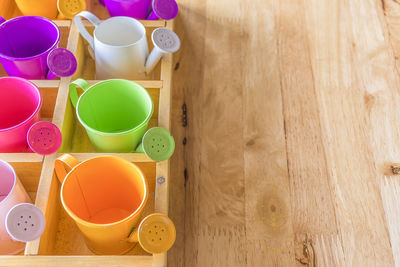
(63,165)
(73,92)
(81,28)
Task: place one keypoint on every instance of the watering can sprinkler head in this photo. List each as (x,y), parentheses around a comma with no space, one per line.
(158,144)
(25,222)
(156,233)
(44,138)
(163,9)
(61,62)
(165,41)
(70,8)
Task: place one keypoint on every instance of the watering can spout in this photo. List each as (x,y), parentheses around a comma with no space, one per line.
(157,143)
(153,59)
(165,41)
(156,233)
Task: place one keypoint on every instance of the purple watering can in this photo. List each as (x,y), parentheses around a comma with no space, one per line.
(142,9)
(29,49)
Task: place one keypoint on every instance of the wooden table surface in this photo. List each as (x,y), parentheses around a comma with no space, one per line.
(293,121)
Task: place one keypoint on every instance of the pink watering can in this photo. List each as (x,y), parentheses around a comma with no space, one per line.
(20,221)
(20,128)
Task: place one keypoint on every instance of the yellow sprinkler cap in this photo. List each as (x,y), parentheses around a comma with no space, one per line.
(156,233)
(70,8)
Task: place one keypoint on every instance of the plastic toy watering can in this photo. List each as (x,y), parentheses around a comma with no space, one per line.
(140,9)
(49,8)
(120,46)
(44,8)
(115,113)
(29,49)
(105,196)
(20,103)
(20,221)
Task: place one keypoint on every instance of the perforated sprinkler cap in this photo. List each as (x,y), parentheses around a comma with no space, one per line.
(156,233)
(25,222)
(158,144)
(62,62)
(165,9)
(70,8)
(44,138)
(166,40)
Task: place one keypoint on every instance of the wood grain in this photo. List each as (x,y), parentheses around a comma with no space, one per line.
(314,85)
(293,121)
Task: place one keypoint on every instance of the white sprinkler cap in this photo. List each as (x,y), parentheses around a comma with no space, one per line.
(25,222)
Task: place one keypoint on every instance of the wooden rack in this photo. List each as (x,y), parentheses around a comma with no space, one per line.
(61,243)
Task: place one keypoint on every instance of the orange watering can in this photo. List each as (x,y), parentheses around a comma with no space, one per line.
(106,196)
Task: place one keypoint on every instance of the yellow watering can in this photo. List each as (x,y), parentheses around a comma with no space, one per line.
(105,196)
(49,8)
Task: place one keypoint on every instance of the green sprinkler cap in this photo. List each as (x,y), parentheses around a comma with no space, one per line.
(158,144)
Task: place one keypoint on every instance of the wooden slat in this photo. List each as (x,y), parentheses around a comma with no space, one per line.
(78,261)
(269,211)
(356,115)
(164,120)
(133,157)
(21,157)
(47,83)
(146,23)
(42,199)
(176,210)
(63,23)
(305,148)
(216,198)
(190,80)
(144,83)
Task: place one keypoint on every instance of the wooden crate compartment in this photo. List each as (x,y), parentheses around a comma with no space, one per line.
(29,174)
(49,91)
(87,68)
(64,27)
(9,9)
(62,236)
(75,138)
(62,243)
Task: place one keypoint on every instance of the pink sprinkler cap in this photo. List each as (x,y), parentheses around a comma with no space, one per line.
(25,222)
(44,138)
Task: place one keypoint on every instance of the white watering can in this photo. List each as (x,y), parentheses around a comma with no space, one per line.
(120,46)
